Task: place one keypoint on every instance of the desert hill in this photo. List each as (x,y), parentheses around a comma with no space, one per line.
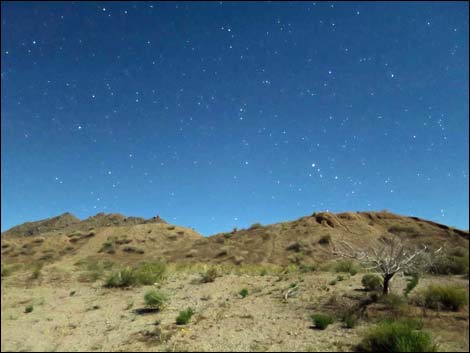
(129,239)
(87,285)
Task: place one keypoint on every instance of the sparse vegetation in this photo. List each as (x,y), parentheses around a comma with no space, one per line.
(29,308)
(350,320)
(108,247)
(7,270)
(372,282)
(346,266)
(443,297)
(145,273)
(210,275)
(184,316)
(393,302)
(453,263)
(121,278)
(398,336)
(148,273)
(155,299)
(256,225)
(321,321)
(36,270)
(391,256)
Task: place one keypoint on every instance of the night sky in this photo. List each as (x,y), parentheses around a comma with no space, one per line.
(219,115)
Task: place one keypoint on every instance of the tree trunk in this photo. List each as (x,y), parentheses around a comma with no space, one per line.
(386,288)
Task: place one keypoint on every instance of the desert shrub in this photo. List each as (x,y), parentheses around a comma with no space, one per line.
(393,302)
(450,264)
(325,239)
(333,282)
(8,270)
(133,249)
(148,273)
(443,297)
(155,300)
(29,308)
(411,283)
(397,336)
(304,268)
(184,316)
(210,275)
(350,320)
(36,271)
(121,278)
(372,282)
(256,225)
(346,266)
(321,321)
(295,246)
(243,293)
(108,247)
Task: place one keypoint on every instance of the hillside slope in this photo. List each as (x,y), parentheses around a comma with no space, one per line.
(130,239)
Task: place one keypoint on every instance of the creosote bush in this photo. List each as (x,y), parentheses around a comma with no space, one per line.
(321,321)
(397,336)
(443,297)
(184,316)
(155,299)
(29,308)
(372,282)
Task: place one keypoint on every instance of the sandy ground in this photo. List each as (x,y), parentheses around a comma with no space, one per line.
(73,316)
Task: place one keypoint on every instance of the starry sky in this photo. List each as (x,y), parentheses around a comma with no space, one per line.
(217,115)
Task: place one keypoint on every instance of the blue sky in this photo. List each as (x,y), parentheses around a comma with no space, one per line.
(219,115)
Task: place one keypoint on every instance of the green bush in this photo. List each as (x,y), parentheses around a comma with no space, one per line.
(29,308)
(143,274)
(184,316)
(321,321)
(372,282)
(411,283)
(121,278)
(154,299)
(444,297)
(210,275)
(346,266)
(397,336)
(243,293)
(325,239)
(148,273)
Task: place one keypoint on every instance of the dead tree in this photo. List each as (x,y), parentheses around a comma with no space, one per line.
(389,257)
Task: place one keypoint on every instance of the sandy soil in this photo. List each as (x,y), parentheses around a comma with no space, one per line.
(73,316)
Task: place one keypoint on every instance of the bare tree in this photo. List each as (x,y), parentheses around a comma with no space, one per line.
(389,257)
